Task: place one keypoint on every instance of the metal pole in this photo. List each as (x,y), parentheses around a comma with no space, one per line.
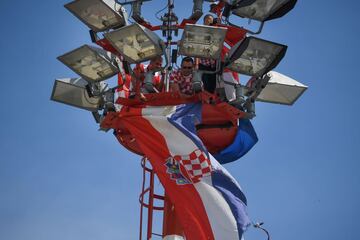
(168,45)
(167,70)
(142,197)
(151,206)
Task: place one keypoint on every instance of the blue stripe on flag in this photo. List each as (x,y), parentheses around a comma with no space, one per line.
(234,197)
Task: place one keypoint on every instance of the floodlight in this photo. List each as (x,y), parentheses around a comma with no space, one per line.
(99,15)
(136,43)
(281,89)
(93,64)
(255,57)
(263,10)
(202,41)
(72,91)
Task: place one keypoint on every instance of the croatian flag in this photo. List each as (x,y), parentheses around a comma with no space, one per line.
(208,201)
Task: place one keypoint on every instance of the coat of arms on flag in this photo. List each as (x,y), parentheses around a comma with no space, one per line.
(190,168)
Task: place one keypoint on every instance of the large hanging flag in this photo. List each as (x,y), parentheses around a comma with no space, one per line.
(208,201)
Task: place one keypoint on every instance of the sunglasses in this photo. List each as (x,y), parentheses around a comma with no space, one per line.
(184,67)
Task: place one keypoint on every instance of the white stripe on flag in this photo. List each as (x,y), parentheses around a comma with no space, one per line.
(177,142)
(220,216)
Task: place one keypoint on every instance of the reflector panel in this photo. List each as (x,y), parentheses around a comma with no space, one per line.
(263,10)
(136,43)
(202,41)
(99,15)
(91,63)
(281,89)
(71,91)
(255,57)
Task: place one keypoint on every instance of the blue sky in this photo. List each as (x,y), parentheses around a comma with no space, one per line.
(60,178)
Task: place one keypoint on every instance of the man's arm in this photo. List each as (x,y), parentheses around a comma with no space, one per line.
(174,87)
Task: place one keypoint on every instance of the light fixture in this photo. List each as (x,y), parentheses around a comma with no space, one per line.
(99,15)
(263,10)
(136,43)
(72,91)
(202,41)
(254,56)
(93,64)
(281,89)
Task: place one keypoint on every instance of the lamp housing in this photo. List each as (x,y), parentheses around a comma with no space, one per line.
(99,15)
(136,43)
(72,91)
(281,89)
(202,41)
(91,63)
(263,10)
(254,56)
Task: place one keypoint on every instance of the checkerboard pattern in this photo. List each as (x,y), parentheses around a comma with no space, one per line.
(185,82)
(196,165)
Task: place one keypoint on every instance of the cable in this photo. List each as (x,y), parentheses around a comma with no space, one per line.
(156,14)
(258,225)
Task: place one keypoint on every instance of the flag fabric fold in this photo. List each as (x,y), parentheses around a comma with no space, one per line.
(208,201)
(245,139)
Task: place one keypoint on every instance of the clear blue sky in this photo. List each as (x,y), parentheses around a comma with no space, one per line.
(62,179)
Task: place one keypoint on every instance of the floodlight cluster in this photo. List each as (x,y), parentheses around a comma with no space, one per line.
(135,44)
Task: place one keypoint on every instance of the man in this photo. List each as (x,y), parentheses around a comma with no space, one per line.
(139,75)
(230,78)
(208,20)
(181,79)
(209,80)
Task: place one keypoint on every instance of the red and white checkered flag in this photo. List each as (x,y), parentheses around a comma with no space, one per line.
(195,166)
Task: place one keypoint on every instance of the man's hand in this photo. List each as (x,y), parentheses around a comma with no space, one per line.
(142,97)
